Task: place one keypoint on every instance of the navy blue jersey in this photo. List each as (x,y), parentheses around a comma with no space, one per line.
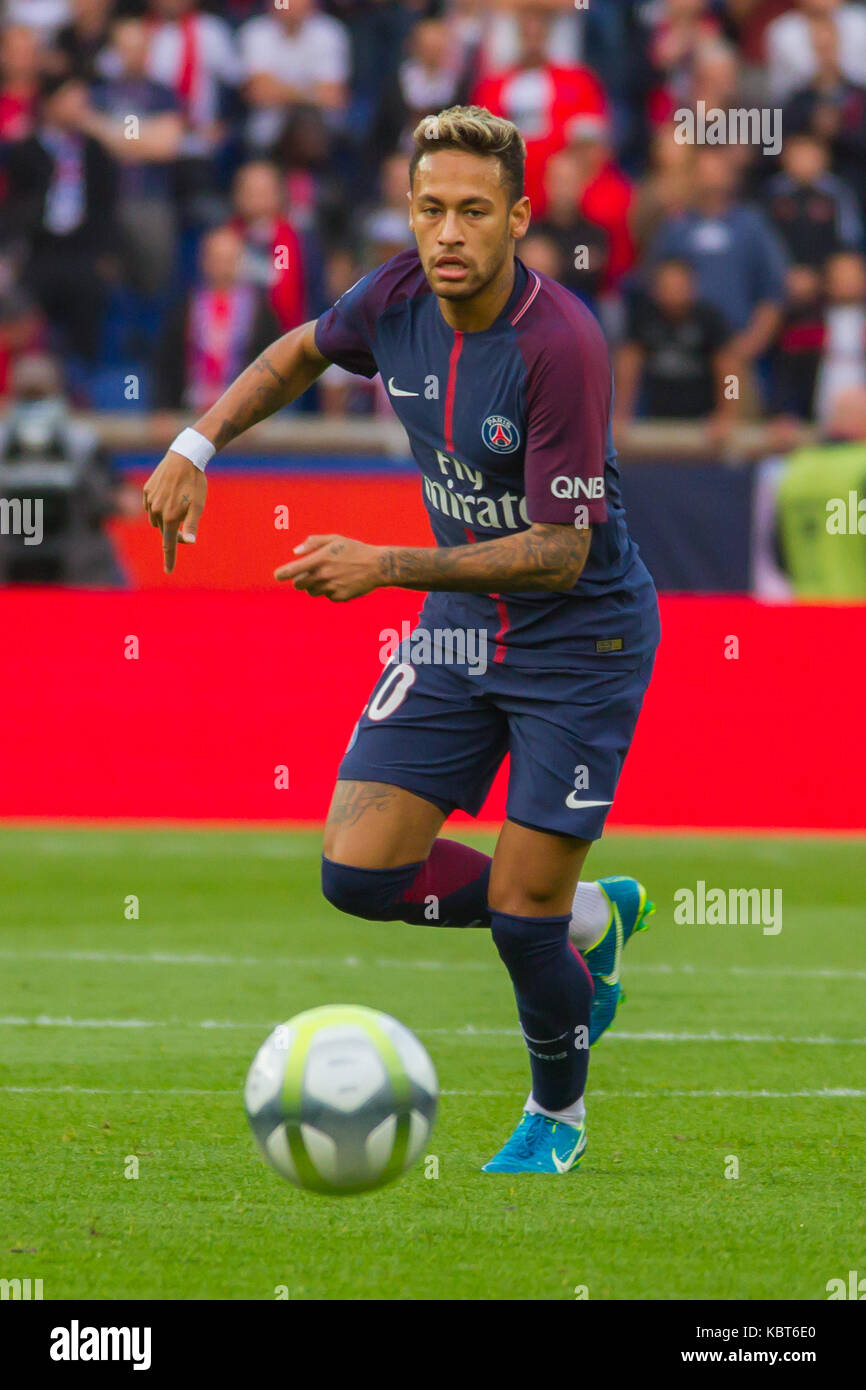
(508,426)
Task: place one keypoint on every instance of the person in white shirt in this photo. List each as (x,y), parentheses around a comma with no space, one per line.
(289,56)
(194,54)
(843,359)
(792,62)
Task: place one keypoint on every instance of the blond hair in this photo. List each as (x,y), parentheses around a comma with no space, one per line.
(475,130)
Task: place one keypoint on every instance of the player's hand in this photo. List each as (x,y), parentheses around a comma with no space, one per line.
(174,496)
(333,567)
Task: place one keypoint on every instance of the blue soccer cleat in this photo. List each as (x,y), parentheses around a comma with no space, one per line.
(540,1145)
(630,911)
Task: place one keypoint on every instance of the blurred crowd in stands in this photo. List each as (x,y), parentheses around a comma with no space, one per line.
(181,181)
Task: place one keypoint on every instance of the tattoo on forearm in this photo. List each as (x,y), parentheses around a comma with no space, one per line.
(352,799)
(545,557)
(263,399)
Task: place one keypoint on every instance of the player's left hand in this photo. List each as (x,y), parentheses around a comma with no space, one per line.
(333,567)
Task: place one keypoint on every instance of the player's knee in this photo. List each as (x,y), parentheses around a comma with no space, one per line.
(373,894)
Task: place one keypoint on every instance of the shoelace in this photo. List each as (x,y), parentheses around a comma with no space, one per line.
(519,1143)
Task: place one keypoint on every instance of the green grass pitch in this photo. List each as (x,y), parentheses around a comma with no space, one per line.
(733,1044)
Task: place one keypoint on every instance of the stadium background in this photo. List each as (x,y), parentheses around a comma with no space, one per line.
(281,137)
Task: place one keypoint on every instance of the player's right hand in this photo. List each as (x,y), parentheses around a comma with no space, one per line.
(174,496)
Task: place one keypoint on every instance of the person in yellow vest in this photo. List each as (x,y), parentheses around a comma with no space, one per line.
(821,507)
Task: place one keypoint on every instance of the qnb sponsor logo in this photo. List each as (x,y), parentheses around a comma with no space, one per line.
(739,125)
(22,517)
(20,1289)
(77,1343)
(435,646)
(563,486)
(716,907)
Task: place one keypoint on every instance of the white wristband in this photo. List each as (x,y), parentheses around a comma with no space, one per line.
(195,447)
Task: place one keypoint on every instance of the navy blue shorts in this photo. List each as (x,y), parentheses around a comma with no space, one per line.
(442,732)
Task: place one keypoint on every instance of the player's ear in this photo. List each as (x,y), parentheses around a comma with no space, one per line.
(519,218)
(411,218)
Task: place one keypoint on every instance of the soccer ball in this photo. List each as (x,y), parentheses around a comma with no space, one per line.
(341,1098)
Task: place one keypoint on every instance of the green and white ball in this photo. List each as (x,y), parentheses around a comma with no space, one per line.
(341,1098)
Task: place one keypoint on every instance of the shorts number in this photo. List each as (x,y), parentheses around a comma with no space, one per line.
(392,692)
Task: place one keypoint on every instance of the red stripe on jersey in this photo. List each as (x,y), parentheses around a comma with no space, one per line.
(499,654)
(449,394)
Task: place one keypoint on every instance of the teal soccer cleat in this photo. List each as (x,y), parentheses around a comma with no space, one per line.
(540,1145)
(630,911)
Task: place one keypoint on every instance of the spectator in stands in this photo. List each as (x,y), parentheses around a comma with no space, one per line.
(605,193)
(583,246)
(677,355)
(20,66)
(792,61)
(22,328)
(145,152)
(665,189)
(386,228)
(814,212)
(843,356)
(273,256)
(45,17)
(737,257)
(427,80)
(679,30)
(833,109)
(194,54)
(797,354)
(223,324)
(544,99)
(77,47)
(290,56)
(52,465)
(62,188)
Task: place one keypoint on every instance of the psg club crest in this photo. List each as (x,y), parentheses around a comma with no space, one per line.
(500,434)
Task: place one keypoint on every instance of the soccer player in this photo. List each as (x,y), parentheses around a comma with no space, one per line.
(502,381)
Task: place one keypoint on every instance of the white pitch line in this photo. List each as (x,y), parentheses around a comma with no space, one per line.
(824,1093)
(379,963)
(468,1030)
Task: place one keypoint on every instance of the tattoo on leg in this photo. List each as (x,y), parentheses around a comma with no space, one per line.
(352,799)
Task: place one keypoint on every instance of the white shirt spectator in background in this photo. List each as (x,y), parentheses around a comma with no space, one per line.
(195,61)
(843,360)
(317,53)
(47,16)
(791,61)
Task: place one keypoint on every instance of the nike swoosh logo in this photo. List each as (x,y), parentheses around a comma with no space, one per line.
(575,804)
(613,977)
(395,390)
(562,1165)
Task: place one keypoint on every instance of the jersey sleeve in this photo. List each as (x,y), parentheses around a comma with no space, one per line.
(343,333)
(346,333)
(568,397)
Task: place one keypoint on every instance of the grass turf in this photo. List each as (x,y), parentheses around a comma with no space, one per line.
(232,931)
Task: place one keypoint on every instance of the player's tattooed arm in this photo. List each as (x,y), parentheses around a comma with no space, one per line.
(278,376)
(174,494)
(547,557)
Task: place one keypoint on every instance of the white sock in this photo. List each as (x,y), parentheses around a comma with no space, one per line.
(572,1115)
(590,915)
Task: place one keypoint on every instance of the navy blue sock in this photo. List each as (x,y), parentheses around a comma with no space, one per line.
(553,990)
(448,889)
